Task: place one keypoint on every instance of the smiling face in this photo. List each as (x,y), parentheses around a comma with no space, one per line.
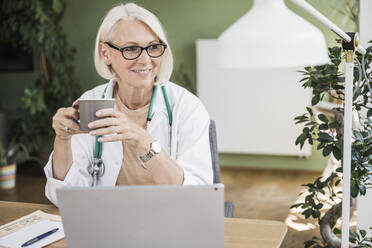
(137,73)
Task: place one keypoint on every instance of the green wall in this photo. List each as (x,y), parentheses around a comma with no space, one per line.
(185,21)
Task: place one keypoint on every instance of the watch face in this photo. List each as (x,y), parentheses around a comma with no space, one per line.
(156,147)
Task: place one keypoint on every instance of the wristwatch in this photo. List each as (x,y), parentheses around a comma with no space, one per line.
(155,148)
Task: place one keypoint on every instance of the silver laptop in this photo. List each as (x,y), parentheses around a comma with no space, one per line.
(143,216)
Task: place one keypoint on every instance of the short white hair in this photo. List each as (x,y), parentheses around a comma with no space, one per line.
(131,11)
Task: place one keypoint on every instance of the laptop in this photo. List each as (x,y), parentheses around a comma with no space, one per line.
(143,216)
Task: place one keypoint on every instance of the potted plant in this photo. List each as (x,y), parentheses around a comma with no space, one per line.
(9,157)
(2,124)
(36,26)
(326,132)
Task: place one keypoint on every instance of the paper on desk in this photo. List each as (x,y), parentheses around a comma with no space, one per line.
(16,239)
(27,221)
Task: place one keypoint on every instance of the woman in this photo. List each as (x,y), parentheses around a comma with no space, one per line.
(172,147)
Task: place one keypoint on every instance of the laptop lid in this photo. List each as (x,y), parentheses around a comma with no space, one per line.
(143,216)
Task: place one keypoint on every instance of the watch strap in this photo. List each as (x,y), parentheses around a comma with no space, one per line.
(143,159)
(147,156)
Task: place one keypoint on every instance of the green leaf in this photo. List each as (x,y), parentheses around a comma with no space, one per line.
(354,188)
(309,185)
(336,231)
(309,110)
(319,206)
(327,150)
(306,130)
(337,153)
(323,118)
(363,233)
(339,144)
(309,243)
(341,79)
(316,214)
(309,199)
(296,205)
(320,145)
(301,121)
(305,205)
(338,181)
(301,117)
(323,126)
(315,100)
(362,188)
(57,6)
(322,136)
(369,113)
(301,140)
(358,135)
(307,213)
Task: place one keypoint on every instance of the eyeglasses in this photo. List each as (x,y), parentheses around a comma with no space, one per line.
(133,52)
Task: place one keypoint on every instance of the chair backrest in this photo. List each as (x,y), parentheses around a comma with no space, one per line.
(229,206)
(214,152)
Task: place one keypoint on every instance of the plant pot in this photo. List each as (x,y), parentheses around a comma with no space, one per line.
(3,128)
(8,176)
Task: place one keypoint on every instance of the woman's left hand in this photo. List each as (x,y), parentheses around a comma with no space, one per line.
(115,126)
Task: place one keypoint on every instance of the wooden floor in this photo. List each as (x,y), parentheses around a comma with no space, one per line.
(268,194)
(256,194)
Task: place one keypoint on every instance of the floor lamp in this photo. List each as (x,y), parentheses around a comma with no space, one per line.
(272,36)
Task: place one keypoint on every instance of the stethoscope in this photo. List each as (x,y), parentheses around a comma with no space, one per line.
(97,168)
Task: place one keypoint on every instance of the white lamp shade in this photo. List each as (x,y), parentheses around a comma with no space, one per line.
(270,35)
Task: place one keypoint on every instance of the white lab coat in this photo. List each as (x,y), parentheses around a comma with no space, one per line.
(189,144)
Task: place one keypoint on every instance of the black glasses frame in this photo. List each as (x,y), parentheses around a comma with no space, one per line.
(121,49)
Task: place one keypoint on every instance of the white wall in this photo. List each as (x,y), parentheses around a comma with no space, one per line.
(253,109)
(365,202)
(365,19)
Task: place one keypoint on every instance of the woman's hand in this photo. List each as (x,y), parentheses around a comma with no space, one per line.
(117,127)
(65,122)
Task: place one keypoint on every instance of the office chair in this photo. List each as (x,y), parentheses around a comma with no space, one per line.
(229,206)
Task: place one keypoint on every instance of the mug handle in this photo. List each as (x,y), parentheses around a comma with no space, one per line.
(75,105)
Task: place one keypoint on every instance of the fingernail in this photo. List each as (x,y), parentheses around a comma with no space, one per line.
(92,132)
(90,125)
(98,113)
(100,139)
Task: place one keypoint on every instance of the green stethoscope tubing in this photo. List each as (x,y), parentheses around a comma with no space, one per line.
(98,145)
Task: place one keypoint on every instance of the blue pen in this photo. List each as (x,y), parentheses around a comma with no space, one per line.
(40,237)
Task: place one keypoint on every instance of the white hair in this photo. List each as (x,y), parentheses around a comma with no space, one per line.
(131,11)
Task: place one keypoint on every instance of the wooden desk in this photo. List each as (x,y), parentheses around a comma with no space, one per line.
(239,232)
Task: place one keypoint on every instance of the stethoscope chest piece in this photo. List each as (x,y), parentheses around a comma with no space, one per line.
(97,168)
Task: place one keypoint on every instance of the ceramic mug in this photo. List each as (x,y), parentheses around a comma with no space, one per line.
(88,109)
